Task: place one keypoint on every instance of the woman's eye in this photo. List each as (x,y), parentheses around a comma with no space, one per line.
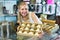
(22,9)
(25,8)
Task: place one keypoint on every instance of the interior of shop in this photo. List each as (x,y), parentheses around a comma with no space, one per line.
(46,13)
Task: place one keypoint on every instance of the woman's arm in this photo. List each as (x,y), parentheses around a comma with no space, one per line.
(18,21)
(35,18)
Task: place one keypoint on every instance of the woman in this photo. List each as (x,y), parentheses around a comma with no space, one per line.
(25,16)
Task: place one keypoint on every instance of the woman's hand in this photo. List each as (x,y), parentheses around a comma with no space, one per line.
(18,23)
(41,35)
(36,38)
(58,37)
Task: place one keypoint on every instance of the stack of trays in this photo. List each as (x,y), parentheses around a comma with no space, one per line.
(50,29)
(50,22)
(29,29)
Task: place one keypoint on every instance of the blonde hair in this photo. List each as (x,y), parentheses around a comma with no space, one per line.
(19,15)
(21,4)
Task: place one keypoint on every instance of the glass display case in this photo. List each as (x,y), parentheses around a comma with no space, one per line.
(1,5)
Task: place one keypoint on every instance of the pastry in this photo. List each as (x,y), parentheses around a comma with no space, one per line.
(37,30)
(23,25)
(32,30)
(38,26)
(30,33)
(33,25)
(20,31)
(28,25)
(25,32)
(36,34)
(26,29)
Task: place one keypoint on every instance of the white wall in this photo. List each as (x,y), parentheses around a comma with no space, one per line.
(9,5)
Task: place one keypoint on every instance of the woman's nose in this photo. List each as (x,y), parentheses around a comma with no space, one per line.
(24,10)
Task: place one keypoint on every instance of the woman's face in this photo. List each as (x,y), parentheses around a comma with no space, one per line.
(23,10)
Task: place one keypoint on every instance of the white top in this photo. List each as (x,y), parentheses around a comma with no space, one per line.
(31,20)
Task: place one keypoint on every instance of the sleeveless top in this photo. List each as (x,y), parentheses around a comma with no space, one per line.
(31,20)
